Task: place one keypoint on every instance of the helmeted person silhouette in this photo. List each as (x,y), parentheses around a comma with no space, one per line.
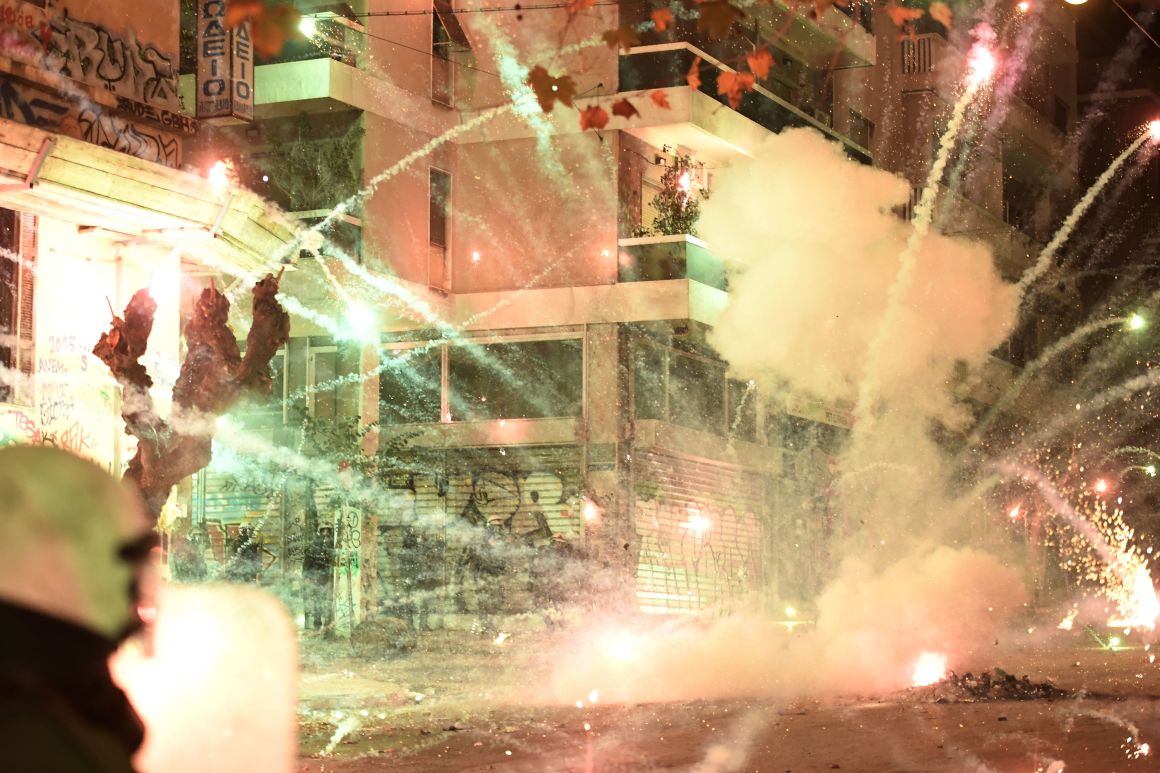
(74,547)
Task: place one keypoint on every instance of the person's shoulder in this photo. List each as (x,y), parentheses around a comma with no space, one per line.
(38,735)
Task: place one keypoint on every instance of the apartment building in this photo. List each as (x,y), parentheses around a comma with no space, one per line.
(531,344)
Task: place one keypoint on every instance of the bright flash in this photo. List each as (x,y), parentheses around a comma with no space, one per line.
(931,667)
(1136,322)
(501,638)
(697,523)
(591,511)
(475,257)
(790,612)
(622,647)
(1151,470)
(1066,623)
(307,26)
(1023,7)
(1014,512)
(1154,130)
(362,321)
(1101,486)
(219,176)
(981,64)
(685,182)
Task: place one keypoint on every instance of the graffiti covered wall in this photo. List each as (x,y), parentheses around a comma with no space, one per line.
(145,122)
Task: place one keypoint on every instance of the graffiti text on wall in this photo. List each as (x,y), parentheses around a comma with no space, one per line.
(43,109)
(89,52)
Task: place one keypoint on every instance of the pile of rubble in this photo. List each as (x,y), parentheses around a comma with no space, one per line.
(995,685)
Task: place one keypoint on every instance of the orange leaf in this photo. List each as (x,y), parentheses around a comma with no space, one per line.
(238,11)
(594,117)
(733,85)
(624,109)
(271,28)
(694,76)
(759,63)
(660,99)
(623,38)
(576,6)
(942,13)
(900,15)
(662,18)
(716,18)
(548,89)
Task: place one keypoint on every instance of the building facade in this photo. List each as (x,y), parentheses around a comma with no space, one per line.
(509,326)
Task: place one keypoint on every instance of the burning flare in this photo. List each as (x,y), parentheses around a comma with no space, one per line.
(931,667)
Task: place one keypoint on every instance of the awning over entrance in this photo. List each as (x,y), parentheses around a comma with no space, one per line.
(234,230)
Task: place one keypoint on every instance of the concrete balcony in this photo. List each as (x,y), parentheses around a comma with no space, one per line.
(841,37)
(658,258)
(702,120)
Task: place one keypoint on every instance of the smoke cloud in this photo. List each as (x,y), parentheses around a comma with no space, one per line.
(818,247)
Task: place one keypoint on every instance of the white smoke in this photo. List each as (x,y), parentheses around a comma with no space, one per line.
(818,247)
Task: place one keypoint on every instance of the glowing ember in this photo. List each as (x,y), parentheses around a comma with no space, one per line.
(981,64)
(1101,486)
(1141,607)
(1066,623)
(219,176)
(1023,7)
(685,183)
(1014,512)
(591,511)
(931,667)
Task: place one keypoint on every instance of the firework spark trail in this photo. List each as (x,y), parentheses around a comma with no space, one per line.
(1032,368)
(1043,261)
(920,227)
(738,414)
(372,185)
(321,470)
(1061,507)
(1124,579)
(294,306)
(1100,401)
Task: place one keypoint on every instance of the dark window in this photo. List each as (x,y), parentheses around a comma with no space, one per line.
(440,207)
(440,59)
(696,393)
(742,411)
(410,385)
(861,129)
(649,381)
(9,288)
(525,380)
(324,385)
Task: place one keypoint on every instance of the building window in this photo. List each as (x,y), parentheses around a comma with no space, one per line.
(521,380)
(742,413)
(410,385)
(861,129)
(17,279)
(322,373)
(439,208)
(441,68)
(649,374)
(696,391)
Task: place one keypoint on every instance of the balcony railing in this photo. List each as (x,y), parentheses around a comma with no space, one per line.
(683,256)
(667,65)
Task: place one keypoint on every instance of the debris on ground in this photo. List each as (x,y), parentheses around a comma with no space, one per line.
(994,685)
